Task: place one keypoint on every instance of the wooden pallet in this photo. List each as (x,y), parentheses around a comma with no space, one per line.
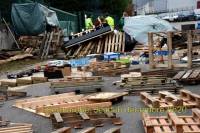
(15,128)
(153,88)
(188,77)
(172,123)
(166,99)
(107,43)
(47,105)
(78,120)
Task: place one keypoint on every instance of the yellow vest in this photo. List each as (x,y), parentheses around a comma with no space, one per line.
(88,23)
(110,21)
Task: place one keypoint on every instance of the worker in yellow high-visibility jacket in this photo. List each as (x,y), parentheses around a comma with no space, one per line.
(88,22)
(110,21)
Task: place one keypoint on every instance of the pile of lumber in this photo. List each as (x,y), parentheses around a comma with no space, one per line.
(165,99)
(87,130)
(188,77)
(107,68)
(6,94)
(134,83)
(35,79)
(66,102)
(16,57)
(129,80)
(8,127)
(108,43)
(78,84)
(79,120)
(172,123)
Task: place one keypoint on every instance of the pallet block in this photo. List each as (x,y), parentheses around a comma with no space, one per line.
(24,81)
(149,100)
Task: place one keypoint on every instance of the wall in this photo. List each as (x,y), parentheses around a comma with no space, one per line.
(181,4)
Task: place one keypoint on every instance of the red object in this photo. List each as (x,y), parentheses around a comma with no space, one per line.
(198,4)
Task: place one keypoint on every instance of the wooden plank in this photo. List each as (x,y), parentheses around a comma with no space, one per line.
(123,42)
(106,43)
(84,116)
(113,43)
(194,75)
(113,130)
(63,130)
(187,74)
(110,43)
(99,46)
(58,117)
(189,48)
(67,107)
(88,130)
(120,42)
(179,75)
(117,43)
(169,45)
(151,47)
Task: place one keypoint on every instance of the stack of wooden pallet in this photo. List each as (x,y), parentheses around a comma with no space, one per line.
(167,100)
(80,119)
(7,127)
(35,79)
(107,43)
(107,68)
(77,84)
(188,77)
(172,123)
(134,83)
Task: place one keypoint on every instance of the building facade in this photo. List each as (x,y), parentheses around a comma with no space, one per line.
(162,6)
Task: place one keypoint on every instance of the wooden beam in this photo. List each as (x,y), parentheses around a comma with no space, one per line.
(189,49)
(169,44)
(151,47)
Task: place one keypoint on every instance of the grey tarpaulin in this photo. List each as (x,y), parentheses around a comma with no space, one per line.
(32,18)
(139,26)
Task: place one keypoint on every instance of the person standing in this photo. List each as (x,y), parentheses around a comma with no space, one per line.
(88,22)
(110,21)
(121,21)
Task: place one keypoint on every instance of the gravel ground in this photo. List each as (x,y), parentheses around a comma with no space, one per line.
(132,121)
